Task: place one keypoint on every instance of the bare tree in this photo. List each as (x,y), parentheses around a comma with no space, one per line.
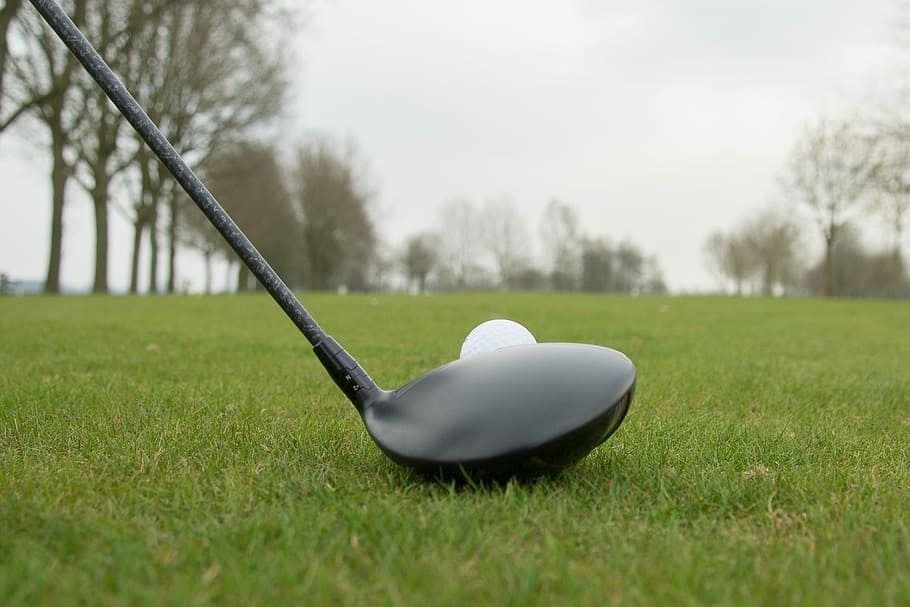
(621,269)
(99,161)
(529,278)
(37,83)
(829,171)
(596,265)
(338,233)
(418,259)
(208,77)
(154,187)
(381,266)
(460,242)
(196,233)
(859,272)
(772,242)
(891,196)
(630,266)
(104,146)
(653,277)
(505,237)
(235,83)
(249,181)
(729,257)
(562,240)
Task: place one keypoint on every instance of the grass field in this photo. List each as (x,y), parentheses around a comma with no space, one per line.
(190,451)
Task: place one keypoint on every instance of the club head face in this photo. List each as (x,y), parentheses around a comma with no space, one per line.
(520,411)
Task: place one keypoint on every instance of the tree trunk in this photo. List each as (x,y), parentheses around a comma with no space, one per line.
(138,229)
(208,271)
(228,276)
(59,178)
(227,279)
(172,243)
(830,240)
(52,115)
(898,284)
(828,279)
(99,202)
(767,287)
(143,206)
(153,249)
(243,278)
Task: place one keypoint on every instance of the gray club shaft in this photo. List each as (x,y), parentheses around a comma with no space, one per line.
(115,90)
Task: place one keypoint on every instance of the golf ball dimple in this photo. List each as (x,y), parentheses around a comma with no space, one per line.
(493,335)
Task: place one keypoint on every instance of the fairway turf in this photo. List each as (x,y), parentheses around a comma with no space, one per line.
(191,451)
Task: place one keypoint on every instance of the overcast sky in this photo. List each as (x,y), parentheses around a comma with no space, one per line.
(659,121)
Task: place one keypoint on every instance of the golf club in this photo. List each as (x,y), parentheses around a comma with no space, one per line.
(523,410)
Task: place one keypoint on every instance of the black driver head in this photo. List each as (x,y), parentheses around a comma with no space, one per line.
(523,410)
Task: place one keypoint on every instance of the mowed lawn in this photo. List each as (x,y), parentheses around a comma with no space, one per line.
(191,451)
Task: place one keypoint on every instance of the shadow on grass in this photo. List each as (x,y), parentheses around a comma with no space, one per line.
(464,481)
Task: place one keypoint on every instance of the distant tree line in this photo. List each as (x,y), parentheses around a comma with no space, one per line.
(840,175)
(312,217)
(843,177)
(213,80)
(489,246)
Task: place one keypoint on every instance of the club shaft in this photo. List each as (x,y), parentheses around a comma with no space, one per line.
(116,91)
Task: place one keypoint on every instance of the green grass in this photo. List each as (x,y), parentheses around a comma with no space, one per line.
(190,451)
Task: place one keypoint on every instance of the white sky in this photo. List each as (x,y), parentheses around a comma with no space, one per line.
(660,121)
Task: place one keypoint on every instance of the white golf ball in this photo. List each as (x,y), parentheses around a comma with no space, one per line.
(493,335)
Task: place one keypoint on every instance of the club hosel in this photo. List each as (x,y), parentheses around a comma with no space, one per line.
(356,384)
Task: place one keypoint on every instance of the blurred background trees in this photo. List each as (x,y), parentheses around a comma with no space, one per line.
(36,74)
(206,76)
(338,238)
(248,180)
(846,181)
(217,80)
(830,170)
(762,256)
(559,231)
(418,260)
(843,176)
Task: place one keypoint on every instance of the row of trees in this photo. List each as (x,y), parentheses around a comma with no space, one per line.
(207,77)
(213,79)
(490,246)
(841,175)
(312,217)
(842,178)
